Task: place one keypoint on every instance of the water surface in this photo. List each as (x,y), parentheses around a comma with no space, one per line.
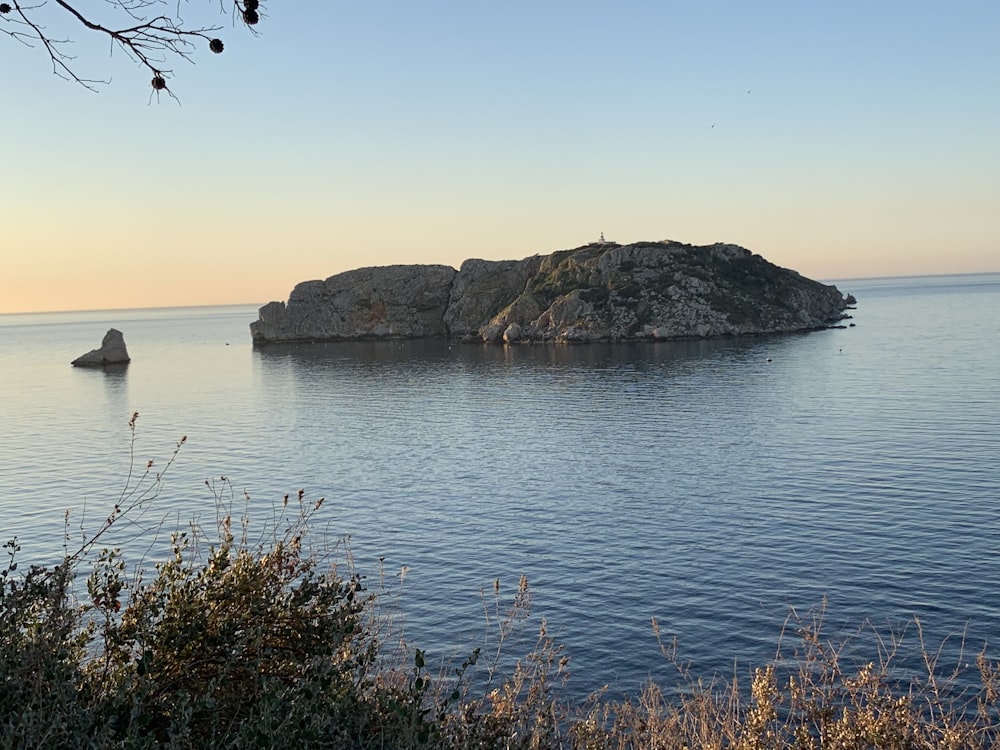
(712,485)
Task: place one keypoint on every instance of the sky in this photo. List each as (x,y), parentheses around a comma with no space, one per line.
(840,139)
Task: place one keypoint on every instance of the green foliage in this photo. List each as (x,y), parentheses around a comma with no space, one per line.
(209,652)
(738,309)
(42,649)
(208,646)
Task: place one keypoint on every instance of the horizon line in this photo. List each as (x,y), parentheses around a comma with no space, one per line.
(67,311)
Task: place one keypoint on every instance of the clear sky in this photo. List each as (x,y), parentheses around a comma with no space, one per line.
(841,139)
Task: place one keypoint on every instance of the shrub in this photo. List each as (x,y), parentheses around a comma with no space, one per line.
(42,648)
(237,643)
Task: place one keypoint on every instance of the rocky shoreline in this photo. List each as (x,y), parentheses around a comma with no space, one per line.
(598,292)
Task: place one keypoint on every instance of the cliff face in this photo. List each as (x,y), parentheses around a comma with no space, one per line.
(599,292)
(386,302)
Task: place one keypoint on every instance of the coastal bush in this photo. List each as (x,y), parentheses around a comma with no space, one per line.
(42,652)
(231,644)
(272,639)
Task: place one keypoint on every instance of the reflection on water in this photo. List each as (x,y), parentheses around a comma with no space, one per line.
(395,354)
(710,484)
(115,378)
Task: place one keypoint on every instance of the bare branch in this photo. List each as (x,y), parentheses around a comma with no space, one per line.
(30,33)
(150,39)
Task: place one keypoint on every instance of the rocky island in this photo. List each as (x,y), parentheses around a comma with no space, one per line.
(603,291)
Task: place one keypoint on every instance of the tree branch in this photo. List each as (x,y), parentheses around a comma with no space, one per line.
(149,40)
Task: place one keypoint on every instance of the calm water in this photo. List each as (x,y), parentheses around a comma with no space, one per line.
(712,485)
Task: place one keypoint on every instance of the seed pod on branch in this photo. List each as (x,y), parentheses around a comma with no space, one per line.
(150,33)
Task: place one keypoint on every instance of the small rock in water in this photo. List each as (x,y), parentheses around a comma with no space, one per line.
(112,352)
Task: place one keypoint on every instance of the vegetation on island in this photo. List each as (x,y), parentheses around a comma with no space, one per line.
(272,639)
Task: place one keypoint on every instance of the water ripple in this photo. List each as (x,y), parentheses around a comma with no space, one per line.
(712,485)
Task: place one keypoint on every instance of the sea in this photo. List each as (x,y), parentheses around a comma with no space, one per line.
(728,490)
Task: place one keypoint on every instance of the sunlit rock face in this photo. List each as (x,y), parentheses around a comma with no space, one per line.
(599,292)
(405,301)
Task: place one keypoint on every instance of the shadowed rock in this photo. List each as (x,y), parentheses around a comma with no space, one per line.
(112,352)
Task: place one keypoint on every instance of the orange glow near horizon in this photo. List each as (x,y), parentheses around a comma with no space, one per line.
(284,160)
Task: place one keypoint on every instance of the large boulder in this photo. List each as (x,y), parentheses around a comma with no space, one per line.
(598,292)
(112,352)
